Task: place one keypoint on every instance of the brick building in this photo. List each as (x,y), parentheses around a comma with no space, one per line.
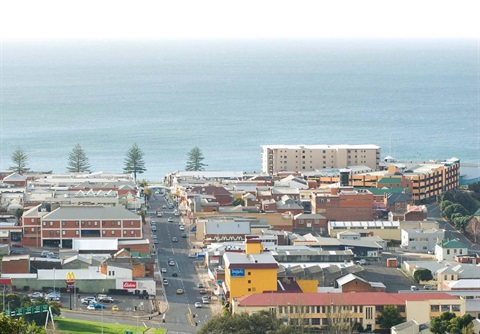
(344,204)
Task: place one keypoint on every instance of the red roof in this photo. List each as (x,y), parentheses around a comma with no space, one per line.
(351,298)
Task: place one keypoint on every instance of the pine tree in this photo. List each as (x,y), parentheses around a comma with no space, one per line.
(78,161)
(194,160)
(134,162)
(19,159)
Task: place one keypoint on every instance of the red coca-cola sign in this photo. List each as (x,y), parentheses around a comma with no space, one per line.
(129,285)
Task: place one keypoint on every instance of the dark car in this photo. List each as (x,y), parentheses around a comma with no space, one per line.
(184,235)
(16,251)
(174,274)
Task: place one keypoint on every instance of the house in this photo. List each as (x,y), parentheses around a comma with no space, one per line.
(353,283)
(447,250)
(218,231)
(310,222)
(222,196)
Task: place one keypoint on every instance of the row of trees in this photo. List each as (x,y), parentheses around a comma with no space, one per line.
(458,207)
(448,322)
(133,163)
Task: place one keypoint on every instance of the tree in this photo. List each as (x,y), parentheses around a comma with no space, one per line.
(18,326)
(258,323)
(134,162)
(78,160)
(422,275)
(194,160)
(454,208)
(449,323)
(238,201)
(19,159)
(390,317)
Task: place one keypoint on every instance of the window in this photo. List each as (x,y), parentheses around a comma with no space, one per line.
(51,233)
(83,223)
(32,220)
(249,281)
(63,223)
(33,229)
(51,223)
(76,223)
(76,232)
(131,223)
(96,223)
(104,232)
(113,232)
(63,232)
(455,308)
(89,223)
(112,223)
(124,232)
(131,232)
(445,308)
(249,273)
(118,223)
(57,232)
(249,289)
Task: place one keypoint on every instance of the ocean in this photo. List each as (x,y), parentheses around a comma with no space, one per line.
(418,100)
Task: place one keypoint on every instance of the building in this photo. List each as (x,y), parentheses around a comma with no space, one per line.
(249,272)
(344,204)
(421,240)
(353,283)
(61,226)
(425,180)
(447,250)
(278,158)
(219,231)
(343,310)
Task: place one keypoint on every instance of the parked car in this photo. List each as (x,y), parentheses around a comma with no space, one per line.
(179,291)
(154,228)
(164,270)
(413,288)
(203,291)
(165,281)
(174,274)
(97,305)
(205,300)
(192,255)
(174,239)
(198,305)
(115,308)
(200,286)
(90,307)
(170,219)
(155,241)
(16,251)
(181,228)
(47,253)
(184,235)
(171,263)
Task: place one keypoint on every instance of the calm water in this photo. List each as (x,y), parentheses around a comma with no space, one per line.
(417,100)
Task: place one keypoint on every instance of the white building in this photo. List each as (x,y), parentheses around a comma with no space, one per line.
(421,240)
(446,250)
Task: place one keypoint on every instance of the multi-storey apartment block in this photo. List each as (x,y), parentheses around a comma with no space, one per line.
(277,158)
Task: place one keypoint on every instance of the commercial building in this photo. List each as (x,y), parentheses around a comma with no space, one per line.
(249,272)
(278,158)
(61,226)
(421,240)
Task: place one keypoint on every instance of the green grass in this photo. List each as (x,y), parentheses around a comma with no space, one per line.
(73,326)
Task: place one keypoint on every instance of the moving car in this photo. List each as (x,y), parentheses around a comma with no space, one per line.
(164,270)
(203,291)
(170,220)
(36,295)
(171,263)
(182,228)
(179,291)
(205,300)
(97,305)
(106,299)
(155,241)
(90,307)
(115,308)
(174,274)
(89,299)
(154,228)
(198,305)
(165,281)
(200,286)
(192,255)
(184,235)
(174,239)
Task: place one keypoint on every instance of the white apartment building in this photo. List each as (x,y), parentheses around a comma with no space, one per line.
(277,158)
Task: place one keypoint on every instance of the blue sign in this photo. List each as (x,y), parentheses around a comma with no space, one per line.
(237,272)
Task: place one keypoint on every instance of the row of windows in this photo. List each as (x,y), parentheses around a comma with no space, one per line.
(297,309)
(95,223)
(77,232)
(444,308)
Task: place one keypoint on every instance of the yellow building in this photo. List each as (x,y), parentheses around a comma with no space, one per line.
(249,272)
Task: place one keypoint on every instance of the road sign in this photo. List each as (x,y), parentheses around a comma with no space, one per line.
(26,310)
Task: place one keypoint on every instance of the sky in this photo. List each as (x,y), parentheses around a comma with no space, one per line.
(231,19)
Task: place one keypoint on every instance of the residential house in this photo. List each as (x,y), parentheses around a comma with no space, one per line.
(421,240)
(447,250)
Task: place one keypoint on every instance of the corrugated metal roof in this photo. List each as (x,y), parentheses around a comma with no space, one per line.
(90,213)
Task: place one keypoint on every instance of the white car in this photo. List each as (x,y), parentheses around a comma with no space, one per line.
(182,228)
(171,263)
(35,295)
(164,270)
(87,300)
(198,305)
(91,307)
(165,281)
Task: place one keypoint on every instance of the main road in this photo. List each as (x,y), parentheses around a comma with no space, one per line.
(181,306)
